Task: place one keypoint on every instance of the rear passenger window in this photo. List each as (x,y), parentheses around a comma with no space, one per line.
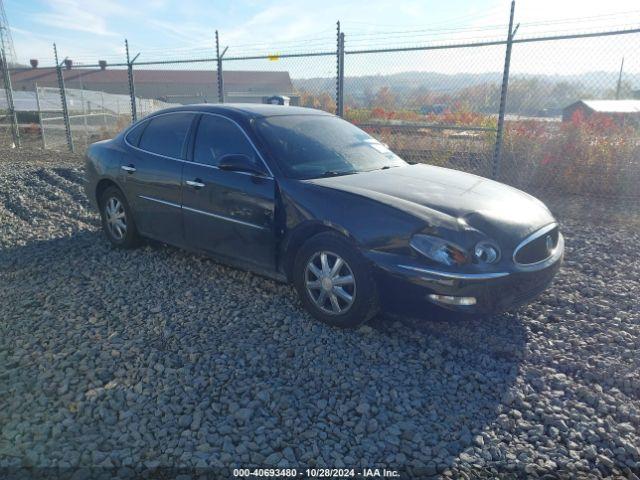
(133,137)
(218,137)
(166,134)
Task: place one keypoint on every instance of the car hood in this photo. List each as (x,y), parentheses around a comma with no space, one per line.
(428,191)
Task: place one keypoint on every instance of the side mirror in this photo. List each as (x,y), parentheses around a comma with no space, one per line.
(239,162)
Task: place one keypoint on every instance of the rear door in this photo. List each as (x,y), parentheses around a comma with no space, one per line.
(228,213)
(152,175)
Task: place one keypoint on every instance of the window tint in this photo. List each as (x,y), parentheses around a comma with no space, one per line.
(218,137)
(133,137)
(166,134)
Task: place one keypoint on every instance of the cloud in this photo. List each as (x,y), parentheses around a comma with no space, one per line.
(192,34)
(165,29)
(81,16)
(40,46)
(30,46)
(21,31)
(285,25)
(269,19)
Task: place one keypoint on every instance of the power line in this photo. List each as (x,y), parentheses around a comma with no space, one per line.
(359,38)
(447,21)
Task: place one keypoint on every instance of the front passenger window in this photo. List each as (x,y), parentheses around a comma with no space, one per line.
(218,137)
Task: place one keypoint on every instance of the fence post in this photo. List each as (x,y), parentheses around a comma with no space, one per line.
(104,112)
(341,78)
(220,79)
(497,152)
(132,85)
(8,90)
(44,141)
(340,71)
(63,100)
(84,112)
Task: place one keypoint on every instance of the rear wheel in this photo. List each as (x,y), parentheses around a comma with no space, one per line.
(117,220)
(334,281)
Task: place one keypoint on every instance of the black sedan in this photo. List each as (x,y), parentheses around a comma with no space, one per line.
(307,198)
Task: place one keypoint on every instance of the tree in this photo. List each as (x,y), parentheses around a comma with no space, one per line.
(368,97)
(385,99)
(322,101)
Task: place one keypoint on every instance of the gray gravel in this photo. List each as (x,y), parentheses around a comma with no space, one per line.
(156,357)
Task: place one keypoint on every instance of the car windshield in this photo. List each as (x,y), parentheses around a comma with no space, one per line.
(313,146)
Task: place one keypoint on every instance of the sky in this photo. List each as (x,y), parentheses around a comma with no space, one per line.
(89,30)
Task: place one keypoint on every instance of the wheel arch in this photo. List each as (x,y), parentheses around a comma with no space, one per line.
(102,185)
(299,235)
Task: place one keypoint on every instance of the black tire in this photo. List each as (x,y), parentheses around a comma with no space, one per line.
(364,303)
(130,237)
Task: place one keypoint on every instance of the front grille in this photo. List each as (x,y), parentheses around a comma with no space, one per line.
(537,247)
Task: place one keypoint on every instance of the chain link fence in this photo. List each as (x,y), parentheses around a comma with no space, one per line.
(307,81)
(163,84)
(93,114)
(578,132)
(50,118)
(548,114)
(427,115)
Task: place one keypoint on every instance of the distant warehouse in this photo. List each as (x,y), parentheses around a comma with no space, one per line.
(622,111)
(173,86)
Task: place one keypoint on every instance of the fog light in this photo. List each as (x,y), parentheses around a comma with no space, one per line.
(486,252)
(449,300)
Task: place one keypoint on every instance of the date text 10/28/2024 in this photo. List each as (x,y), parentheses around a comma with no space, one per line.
(316,473)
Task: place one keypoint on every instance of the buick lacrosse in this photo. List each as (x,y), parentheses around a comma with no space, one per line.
(307,198)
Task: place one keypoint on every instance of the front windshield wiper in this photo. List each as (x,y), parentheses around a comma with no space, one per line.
(386,167)
(336,173)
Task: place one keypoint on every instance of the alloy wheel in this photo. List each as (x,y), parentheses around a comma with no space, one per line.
(330,283)
(116,218)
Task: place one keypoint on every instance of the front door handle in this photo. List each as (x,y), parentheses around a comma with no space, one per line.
(195,183)
(128,168)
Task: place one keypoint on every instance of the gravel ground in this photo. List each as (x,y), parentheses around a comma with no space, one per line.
(157,357)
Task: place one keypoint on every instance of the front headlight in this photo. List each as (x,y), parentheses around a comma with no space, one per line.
(438,250)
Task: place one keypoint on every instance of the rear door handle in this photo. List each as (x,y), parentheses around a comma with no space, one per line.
(195,183)
(128,168)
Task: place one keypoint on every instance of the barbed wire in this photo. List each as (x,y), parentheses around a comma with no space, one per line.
(428,36)
(415,38)
(445,21)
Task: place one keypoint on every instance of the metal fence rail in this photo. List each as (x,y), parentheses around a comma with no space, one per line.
(494,110)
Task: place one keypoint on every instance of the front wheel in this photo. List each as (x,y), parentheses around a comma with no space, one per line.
(334,282)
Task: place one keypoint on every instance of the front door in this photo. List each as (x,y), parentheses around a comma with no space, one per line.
(228,213)
(152,174)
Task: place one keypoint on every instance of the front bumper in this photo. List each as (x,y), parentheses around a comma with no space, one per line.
(403,282)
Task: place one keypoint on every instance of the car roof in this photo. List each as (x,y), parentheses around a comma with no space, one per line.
(247,110)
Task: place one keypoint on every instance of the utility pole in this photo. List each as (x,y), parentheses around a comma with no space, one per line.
(8,91)
(619,80)
(6,41)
